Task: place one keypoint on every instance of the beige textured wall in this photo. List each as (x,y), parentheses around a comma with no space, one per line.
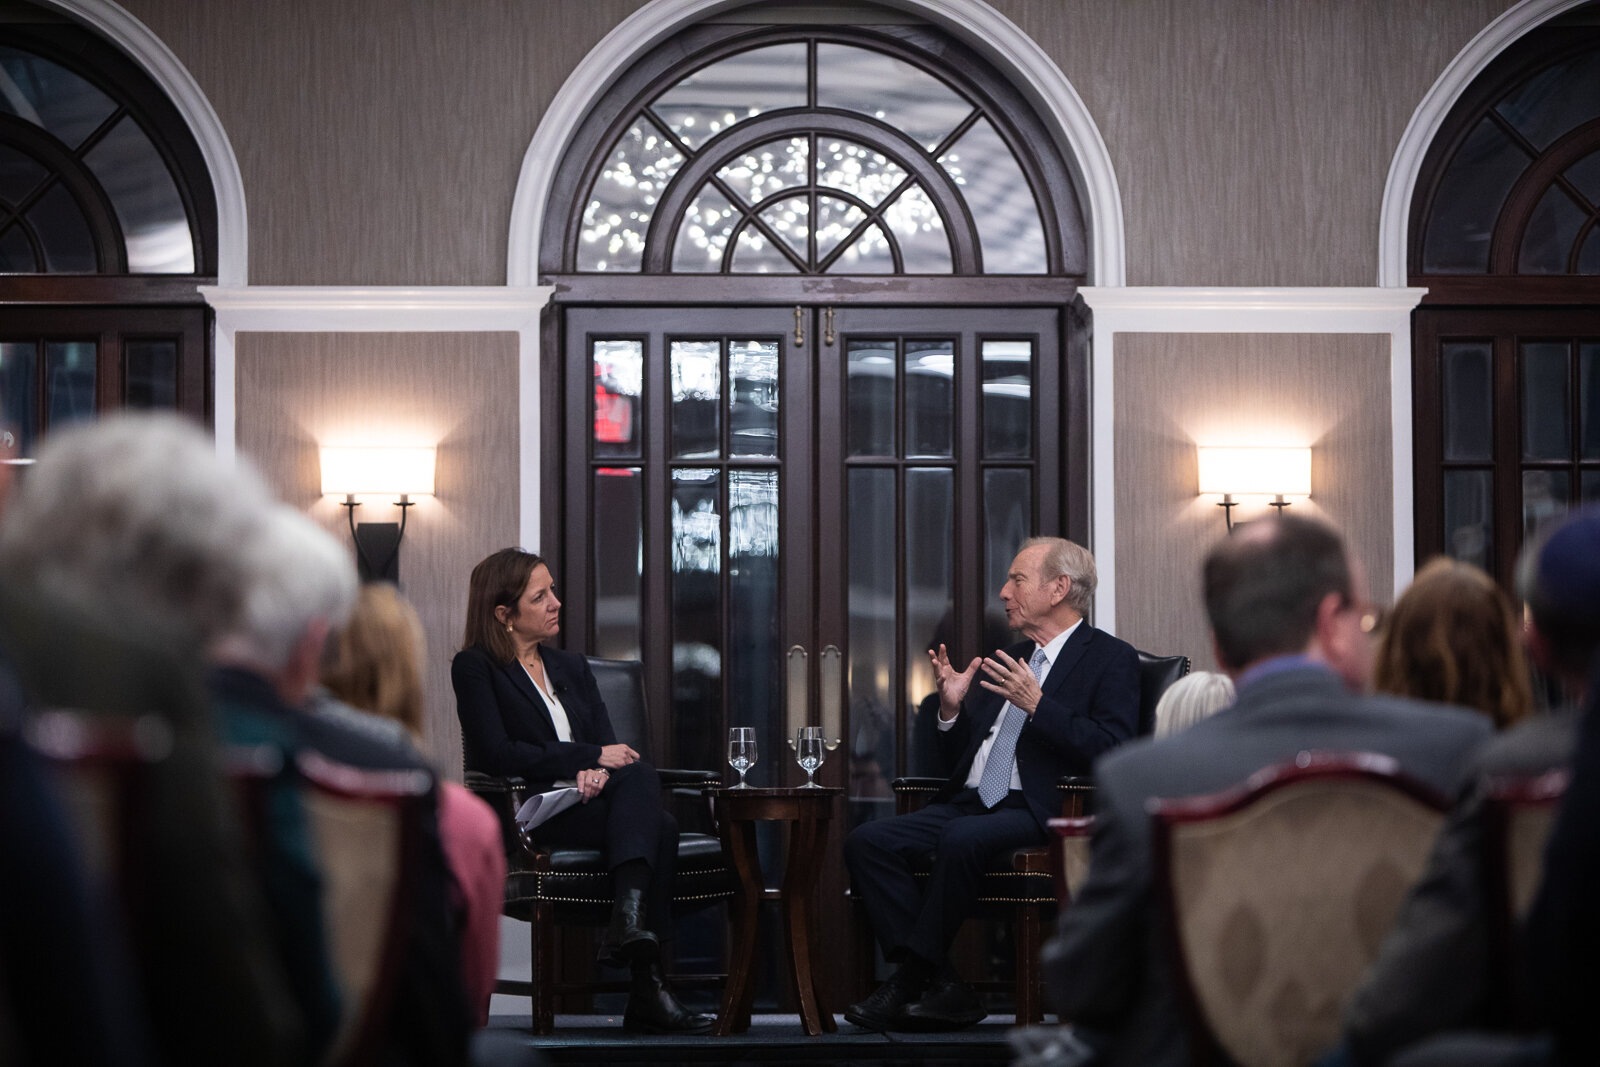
(1174,391)
(455,390)
(380,140)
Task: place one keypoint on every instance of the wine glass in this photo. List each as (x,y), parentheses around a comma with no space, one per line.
(742,752)
(808,744)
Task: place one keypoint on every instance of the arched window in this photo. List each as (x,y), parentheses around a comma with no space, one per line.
(107,226)
(1507,346)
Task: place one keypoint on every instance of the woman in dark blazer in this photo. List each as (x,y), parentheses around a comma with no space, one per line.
(535,712)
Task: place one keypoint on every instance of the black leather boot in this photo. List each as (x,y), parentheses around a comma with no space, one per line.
(652,1009)
(627,940)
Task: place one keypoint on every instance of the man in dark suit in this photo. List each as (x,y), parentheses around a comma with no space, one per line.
(1039,710)
(1291,624)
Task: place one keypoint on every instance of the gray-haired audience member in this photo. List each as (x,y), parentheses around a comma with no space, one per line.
(1288,610)
(1433,975)
(1192,698)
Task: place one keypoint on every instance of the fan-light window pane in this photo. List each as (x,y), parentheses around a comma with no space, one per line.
(58,222)
(767,169)
(868,255)
(51,97)
(895,92)
(623,199)
(734,89)
(19,174)
(865,173)
(154,224)
(915,223)
(1551,231)
(1555,101)
(997,193)
(1470,194)
(756,254)
(704,233)
(836,219)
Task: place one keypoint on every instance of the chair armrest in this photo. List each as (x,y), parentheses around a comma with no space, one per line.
(1077,795)
(674,778)
(911,794)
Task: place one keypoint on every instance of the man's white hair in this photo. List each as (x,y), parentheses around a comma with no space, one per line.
(296,573)
(136,514)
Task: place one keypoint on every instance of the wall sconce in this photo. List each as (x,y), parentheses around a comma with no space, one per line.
(1274,472)
(405,472)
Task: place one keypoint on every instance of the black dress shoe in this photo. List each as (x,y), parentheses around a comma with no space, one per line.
(885,1008)
(627,940)
(652,1009)
(949,1004)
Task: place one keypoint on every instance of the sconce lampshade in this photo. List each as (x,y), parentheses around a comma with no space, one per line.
(403,471)
(1241,471)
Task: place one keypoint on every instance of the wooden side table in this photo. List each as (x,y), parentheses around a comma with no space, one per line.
(808,813)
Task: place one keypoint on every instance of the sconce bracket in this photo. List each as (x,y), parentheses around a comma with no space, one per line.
(377,543)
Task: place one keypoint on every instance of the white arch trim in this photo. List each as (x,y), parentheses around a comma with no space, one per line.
(974,21)
(1394,218)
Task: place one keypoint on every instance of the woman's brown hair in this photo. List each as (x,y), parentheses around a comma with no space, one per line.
(1454,637)
(497,581)
(372,664)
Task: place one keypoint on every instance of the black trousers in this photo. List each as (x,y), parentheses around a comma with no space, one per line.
(626,821)
(962,839)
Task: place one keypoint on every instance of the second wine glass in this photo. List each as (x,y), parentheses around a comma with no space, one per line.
(742,752)
(809,753)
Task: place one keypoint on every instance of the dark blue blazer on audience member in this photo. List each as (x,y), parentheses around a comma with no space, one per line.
(506,728)
(1090,704)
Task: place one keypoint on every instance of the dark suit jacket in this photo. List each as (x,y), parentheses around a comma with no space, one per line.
(1110,965)
(506,727)
(1090,704)
(1432,974)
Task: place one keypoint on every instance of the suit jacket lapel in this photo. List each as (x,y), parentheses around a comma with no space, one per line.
(1071,653)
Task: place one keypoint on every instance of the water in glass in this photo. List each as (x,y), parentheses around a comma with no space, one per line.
(809,753)
(742,751)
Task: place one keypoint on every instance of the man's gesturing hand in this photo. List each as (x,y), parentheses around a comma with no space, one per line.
(952,684)
(1013,680)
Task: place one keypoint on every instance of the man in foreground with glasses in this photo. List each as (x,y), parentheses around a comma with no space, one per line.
(1010,725)
(1291,625)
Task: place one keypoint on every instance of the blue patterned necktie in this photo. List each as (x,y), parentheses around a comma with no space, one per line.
(995,782)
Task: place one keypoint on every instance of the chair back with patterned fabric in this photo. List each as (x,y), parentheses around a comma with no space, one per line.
(366,829)
(1278,894)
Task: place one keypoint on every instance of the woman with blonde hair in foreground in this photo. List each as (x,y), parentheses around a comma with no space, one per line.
(374,664)
(1454,637)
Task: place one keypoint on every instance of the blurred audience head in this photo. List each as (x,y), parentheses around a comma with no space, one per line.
(497,581)
(1558,577)
(1454,637)
(135,514)
(373,663)
(1192,698)
(300,584)
(1286,585)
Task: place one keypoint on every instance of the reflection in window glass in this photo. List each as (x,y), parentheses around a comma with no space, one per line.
(734,89)
(704,233)
(1470,194)
(868,254)
(753,612)
(1555,100)
(19,174)
(871,661)
(915,223)
(870,397)
(1552,229)
(836,219)
(69,375)
(1468,401)
(19,368)
(1591,487)
(51,97)
(767,169)
(1585,174)
(757,254)
(618,393)
(864,173)
(753,398)
(150,374)
(1544,496)
(58,222)
(1007,518)
(997,193)
(618,561)
(696,394)
(623,199)
(1007,399)
(905,97)
(1468,511)
(696,617)
(930,368)
(1589,399)
(1546,430)
(155,226)
(930,576)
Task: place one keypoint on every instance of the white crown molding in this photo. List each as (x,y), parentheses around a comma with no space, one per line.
(157,60)
(1394,217)
(973,21)
(1321,310)
(361,309)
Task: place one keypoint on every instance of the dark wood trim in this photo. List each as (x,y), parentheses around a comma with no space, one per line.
(905,290)
(1488,291)
(66,289)
(1505,246)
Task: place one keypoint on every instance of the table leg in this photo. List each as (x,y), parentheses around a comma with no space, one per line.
(740,841)
(807,841)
